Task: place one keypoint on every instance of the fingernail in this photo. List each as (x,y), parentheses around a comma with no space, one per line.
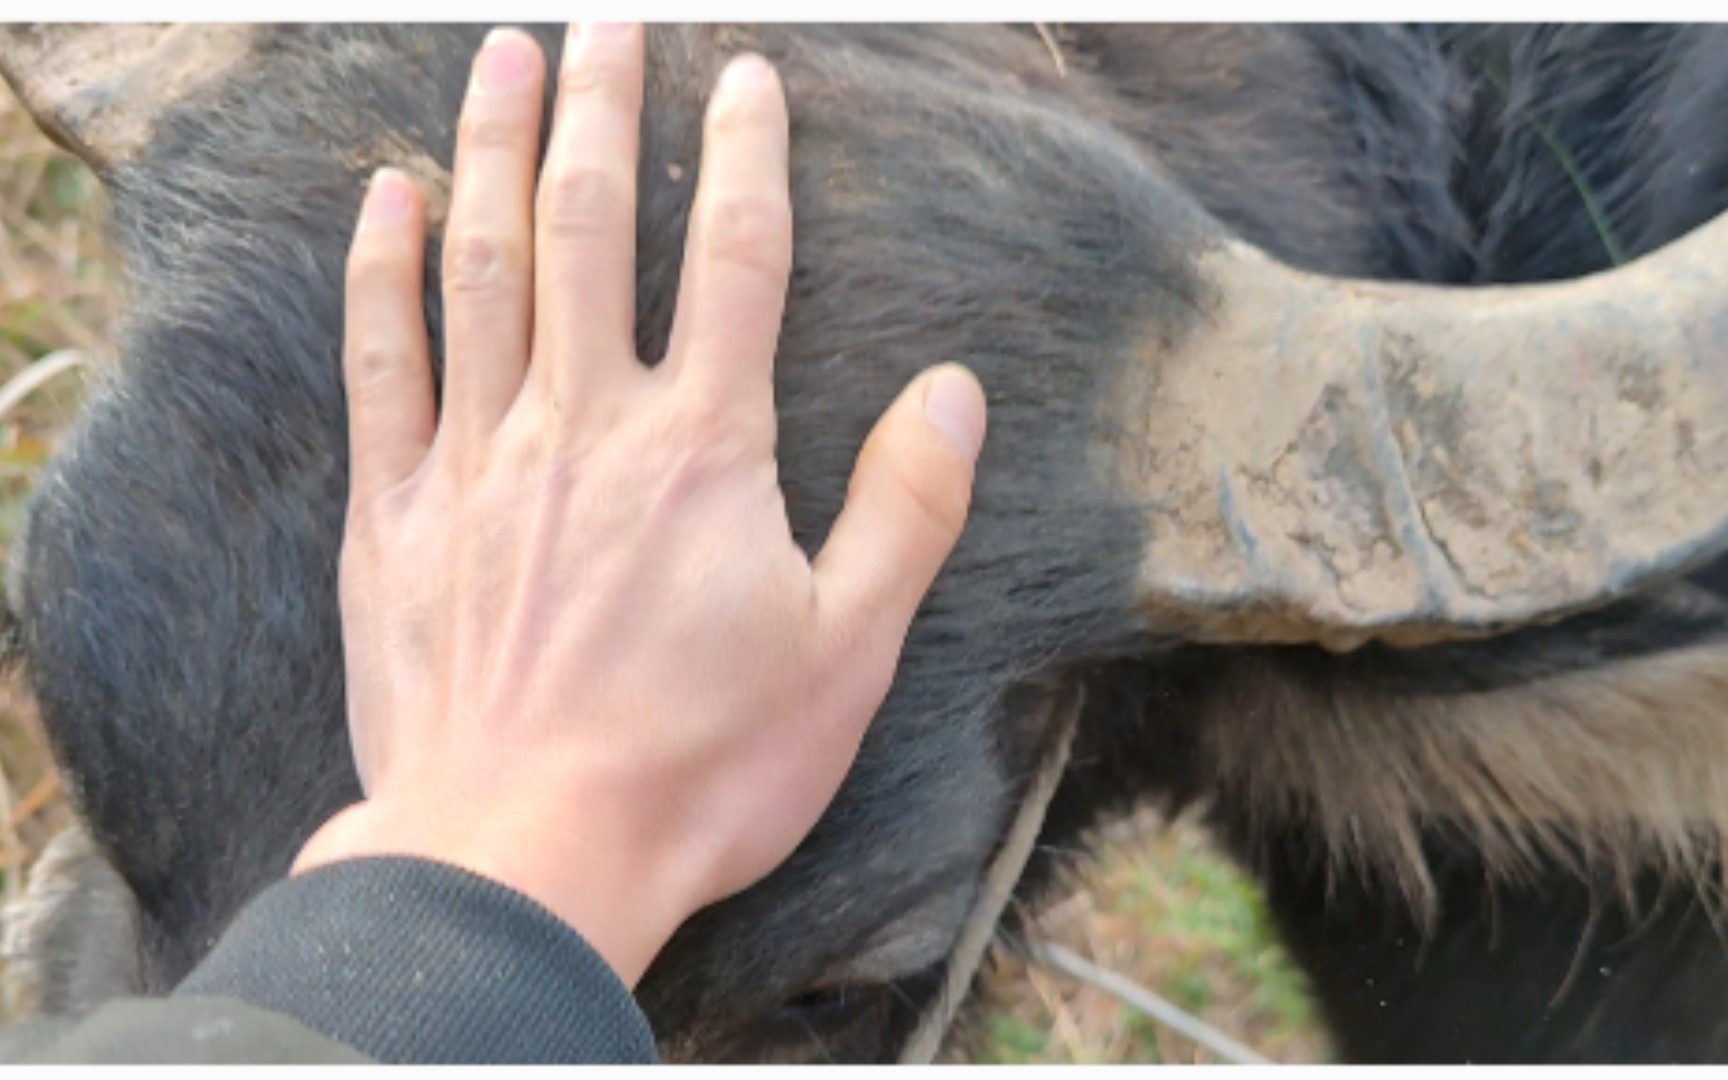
(607,29)
(742,72)
(506,58)
(954,406)
(388,197)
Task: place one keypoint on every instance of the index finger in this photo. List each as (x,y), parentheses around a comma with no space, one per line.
(386,370)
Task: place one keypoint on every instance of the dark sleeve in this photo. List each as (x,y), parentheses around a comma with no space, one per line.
(174,1031)
(408,960)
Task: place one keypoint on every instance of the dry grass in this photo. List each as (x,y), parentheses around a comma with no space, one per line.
(1159,907)
(1156,907)
(56,292)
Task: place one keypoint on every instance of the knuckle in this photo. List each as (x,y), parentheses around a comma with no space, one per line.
(368,516)
(387,508)
(372,367)
(379,264)
(484,129)
(371,513)
(704,414)
(477,262)
(524,441)
(584,201)
(932,494)
(693,424)
(597,77)
(750,231)
(699,437)
(686,469)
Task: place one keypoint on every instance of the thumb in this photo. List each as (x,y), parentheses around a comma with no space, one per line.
(906,505)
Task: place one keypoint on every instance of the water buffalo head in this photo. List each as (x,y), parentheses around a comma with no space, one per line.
(1193,441)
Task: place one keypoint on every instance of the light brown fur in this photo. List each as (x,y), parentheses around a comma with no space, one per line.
(1616,766)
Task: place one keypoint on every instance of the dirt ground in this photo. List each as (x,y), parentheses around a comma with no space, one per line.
(1156,906)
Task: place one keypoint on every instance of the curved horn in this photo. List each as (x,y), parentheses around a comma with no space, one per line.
(1339,461)
(99,90)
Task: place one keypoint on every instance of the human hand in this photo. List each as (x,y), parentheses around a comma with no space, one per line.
(585,657)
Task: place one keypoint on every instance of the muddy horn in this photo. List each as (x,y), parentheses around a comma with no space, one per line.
(1340,461)
(99,90)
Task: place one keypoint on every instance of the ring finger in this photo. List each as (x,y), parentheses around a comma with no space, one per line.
(488,247)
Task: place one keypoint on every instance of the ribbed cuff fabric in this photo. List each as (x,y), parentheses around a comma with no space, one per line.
(414,961)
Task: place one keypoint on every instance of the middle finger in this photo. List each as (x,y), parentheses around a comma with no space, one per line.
(488,247)
(585,298)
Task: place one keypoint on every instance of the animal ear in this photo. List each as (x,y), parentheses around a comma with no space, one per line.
(100,90)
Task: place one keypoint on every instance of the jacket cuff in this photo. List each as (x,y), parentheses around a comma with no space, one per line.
(408,960)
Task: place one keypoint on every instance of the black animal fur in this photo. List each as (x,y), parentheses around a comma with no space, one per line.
(956,199)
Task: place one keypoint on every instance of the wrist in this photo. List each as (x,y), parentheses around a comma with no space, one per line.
(597,880)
